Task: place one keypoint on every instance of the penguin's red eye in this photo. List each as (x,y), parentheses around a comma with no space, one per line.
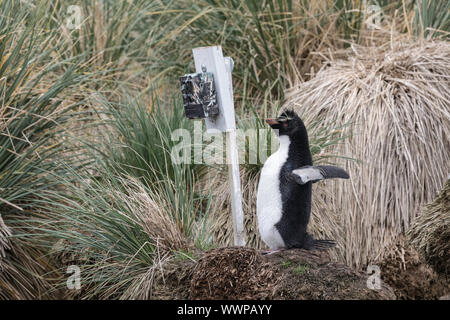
(285,124)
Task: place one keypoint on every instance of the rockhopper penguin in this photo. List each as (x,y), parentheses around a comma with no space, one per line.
(283,203)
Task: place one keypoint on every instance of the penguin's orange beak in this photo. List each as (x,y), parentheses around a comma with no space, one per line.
(272,122)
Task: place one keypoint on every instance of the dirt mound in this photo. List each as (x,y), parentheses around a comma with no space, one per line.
(244,273)
(310,275)
(173,280)
(441,246)
(409,275)
(233,273)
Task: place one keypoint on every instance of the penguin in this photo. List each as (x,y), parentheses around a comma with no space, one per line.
(283,204)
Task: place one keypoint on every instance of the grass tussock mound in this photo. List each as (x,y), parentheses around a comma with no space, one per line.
(430,232)
(395,101)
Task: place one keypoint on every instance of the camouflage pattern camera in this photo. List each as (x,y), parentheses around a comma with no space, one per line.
(199,95)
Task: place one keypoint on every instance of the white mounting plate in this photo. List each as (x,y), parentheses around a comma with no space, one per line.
(214,61)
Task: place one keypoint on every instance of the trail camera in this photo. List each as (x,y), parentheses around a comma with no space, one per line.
(199,95)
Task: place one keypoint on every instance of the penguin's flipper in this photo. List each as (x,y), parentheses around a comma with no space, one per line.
(316,173)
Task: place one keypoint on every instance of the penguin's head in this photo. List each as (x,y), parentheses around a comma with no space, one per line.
(287,123)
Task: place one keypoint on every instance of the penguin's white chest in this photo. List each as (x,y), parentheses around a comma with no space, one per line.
(268,203)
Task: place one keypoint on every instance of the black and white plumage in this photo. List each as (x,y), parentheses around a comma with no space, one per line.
(285,186)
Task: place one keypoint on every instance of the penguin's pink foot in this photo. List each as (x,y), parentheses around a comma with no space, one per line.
(265,253)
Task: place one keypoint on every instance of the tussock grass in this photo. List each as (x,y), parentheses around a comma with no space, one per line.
(117,230)
(34,106)
(139,142)
(431,18)
(396,98)
(122,219)
(274,44)
(140,137)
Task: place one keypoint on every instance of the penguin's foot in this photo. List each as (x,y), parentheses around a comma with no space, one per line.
(266,253)
(322,244)
(313,244)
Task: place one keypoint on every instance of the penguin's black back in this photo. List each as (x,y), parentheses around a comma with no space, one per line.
(295,198)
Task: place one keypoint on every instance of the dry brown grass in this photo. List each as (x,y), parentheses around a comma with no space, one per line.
(151,211)
(23,274)
(430,232)
(220,221)
(396,98)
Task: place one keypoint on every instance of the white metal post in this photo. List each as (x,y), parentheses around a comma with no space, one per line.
(235,182)
(213,60)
